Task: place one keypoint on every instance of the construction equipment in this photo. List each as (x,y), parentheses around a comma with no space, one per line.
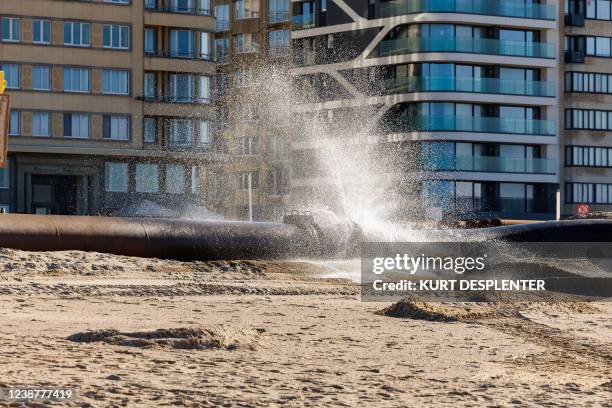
(5,106)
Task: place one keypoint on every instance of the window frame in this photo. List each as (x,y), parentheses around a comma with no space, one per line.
(111,34)
(82,26)
(48,124)
(41,23)
(14,29)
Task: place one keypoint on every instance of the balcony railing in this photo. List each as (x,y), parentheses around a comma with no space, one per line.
(222,25)
(278,50)
(179,10)
(491,164)
(477,124)
(304,58)
(475,85)
(191,146)
(505,205)
(574,57)
(506,8)
(278,16)
(303,21)
(177,99)
(192,55)
(222,58)
(466,45)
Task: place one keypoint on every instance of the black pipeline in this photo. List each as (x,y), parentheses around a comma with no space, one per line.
(298,236)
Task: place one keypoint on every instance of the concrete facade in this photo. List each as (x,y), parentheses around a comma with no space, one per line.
(252,36)
(587,142)
(86,122)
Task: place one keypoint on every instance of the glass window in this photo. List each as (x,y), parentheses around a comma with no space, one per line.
(115,127)
(590,45)
(150,40)
(40,124)
(181,132)
(203,7)
(195,180)
(76,125)
(181,87)
(247,8)
(181,43)
(278,41)
(204,89)
(205,53)
(181,6)
(205,136)
(149,85)
(278,10)
(76,79)
(247,145)
(221,50)
(147,178)
(243,180)
(116,177)
(591,9)
(602,46)
(222,17)
(41,78)
(244,43)
(603,9)
(175,179)
(150,130)
(42,32)
(5,176)
(77,34)
(10,29)
(11,75)
(115,82)
(14,125)
(116,36)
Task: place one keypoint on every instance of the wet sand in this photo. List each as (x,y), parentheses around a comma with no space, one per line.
(135,332)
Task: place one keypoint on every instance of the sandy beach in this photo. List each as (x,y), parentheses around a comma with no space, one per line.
(143,332)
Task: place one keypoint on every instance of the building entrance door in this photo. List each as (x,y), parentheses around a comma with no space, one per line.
(54,194)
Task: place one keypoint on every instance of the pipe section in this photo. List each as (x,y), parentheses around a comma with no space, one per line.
(159,238)
(298,236)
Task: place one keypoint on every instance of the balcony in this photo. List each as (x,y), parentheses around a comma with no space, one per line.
(222,58)
(179,10)
(176,99)
(222,25)
(277,51)
(505,206)
(475,85)
(303,21)
(193,147)
(505,8)
(478,124)
(188,55)
(275,17)
(466,45)
(494,164)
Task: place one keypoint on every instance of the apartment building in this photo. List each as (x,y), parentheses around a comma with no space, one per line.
(111,105)
(467,95)
(252,39)
(587,105)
